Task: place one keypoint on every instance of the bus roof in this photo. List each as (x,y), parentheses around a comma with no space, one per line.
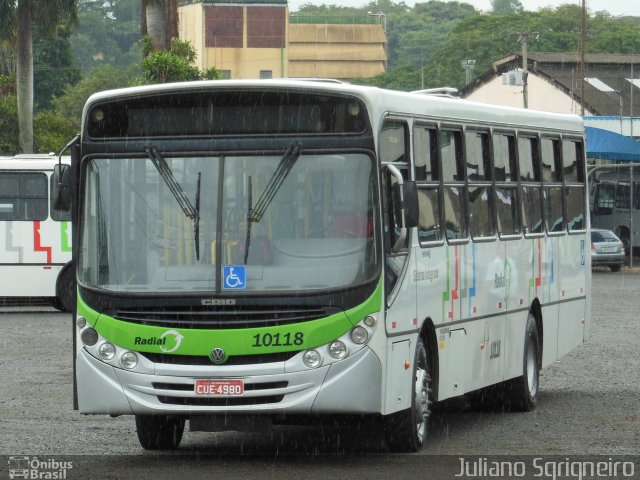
(31,161)
(378,101)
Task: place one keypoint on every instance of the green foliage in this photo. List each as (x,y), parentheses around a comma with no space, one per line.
(51,131)
(505,7)
(8,125)
(70,103)
(52,67)
(175,65)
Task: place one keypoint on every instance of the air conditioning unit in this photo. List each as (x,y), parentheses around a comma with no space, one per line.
(514,77)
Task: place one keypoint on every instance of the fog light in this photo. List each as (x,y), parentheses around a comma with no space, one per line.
(89,337)
(369,321)
(337,350)
(81,322)
(107,351)
(129,360)
(311,358)
(359,335)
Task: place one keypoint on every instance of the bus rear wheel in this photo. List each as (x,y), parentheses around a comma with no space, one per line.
(406,431)
(523,391)
(159,432)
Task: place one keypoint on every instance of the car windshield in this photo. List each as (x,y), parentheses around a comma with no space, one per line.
(296,222)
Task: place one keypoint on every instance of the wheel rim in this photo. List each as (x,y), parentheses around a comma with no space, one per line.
(421,403)
(532,368)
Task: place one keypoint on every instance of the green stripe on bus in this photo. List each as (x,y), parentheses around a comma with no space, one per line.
(237,341)
(65,240)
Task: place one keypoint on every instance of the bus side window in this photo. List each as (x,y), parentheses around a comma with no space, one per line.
(573,173)
(506,192)
(454,205)
(425,153)
(478,159)
(23,196)
(552,180)
(531,185)
(604,194)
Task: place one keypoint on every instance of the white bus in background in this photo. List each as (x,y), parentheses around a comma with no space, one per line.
(252,252)
(35,240)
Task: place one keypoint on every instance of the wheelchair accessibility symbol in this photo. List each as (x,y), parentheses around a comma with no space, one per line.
(234,277)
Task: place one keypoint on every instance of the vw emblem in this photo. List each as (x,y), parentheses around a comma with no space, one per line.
(217,355)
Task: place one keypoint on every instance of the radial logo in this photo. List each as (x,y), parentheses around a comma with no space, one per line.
(168,344)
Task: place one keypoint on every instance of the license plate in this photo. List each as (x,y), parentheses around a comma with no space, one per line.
(608,249)
(219,388)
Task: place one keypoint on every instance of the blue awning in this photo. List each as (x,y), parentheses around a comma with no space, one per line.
(611,146)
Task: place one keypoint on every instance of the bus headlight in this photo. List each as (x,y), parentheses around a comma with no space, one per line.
(369,321)
(359,335)
(311,358)
(337,350)
(89,337)
(81,322)
(107,351)
(129,360)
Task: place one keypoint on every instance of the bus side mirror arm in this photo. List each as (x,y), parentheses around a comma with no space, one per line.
(61,192)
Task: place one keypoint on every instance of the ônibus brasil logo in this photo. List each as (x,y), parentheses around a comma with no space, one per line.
(168,342)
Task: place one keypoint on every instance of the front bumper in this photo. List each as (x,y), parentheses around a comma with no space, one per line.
(352,385)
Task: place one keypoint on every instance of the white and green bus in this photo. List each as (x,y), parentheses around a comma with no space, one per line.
(35,239)
(257,252)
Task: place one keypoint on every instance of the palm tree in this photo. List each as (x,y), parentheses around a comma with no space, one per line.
(160,22)
(46,15)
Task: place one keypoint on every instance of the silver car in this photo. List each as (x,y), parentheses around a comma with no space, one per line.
(606,249)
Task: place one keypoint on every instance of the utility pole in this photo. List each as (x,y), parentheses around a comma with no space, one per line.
(523,39)
(583,41)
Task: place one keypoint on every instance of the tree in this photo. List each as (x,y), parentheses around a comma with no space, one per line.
(19,16)
(160,22)
(175,65)
(505,7)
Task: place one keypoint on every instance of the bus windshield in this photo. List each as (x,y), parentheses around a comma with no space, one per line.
(309,229)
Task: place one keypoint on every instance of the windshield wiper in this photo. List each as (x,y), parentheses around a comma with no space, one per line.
(174,187)
(275,182)
(254,215)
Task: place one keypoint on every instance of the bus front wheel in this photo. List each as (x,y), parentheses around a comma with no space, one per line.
(159,432)
(406,431)
(65,298)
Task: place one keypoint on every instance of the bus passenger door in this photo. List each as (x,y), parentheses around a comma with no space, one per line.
(400,289)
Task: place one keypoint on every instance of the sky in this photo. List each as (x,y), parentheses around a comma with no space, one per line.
(614,7)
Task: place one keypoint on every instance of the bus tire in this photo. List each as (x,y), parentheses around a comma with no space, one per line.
(522,392)
(65,299)
(159,432)
(406,431)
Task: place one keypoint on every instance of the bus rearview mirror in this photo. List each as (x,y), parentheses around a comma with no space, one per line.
(61,192)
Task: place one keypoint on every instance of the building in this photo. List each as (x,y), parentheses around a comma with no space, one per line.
(555,84)
(259,39)
(331,48)
(243,39)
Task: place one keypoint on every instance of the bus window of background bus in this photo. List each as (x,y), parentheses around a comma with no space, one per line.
(23,196)
(425,155)
(530,184)
(453,184)
(504,171)
(478,160)
(552,179)
(573,172)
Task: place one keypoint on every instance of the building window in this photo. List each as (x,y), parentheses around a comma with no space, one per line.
(226,74)
(264,74)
